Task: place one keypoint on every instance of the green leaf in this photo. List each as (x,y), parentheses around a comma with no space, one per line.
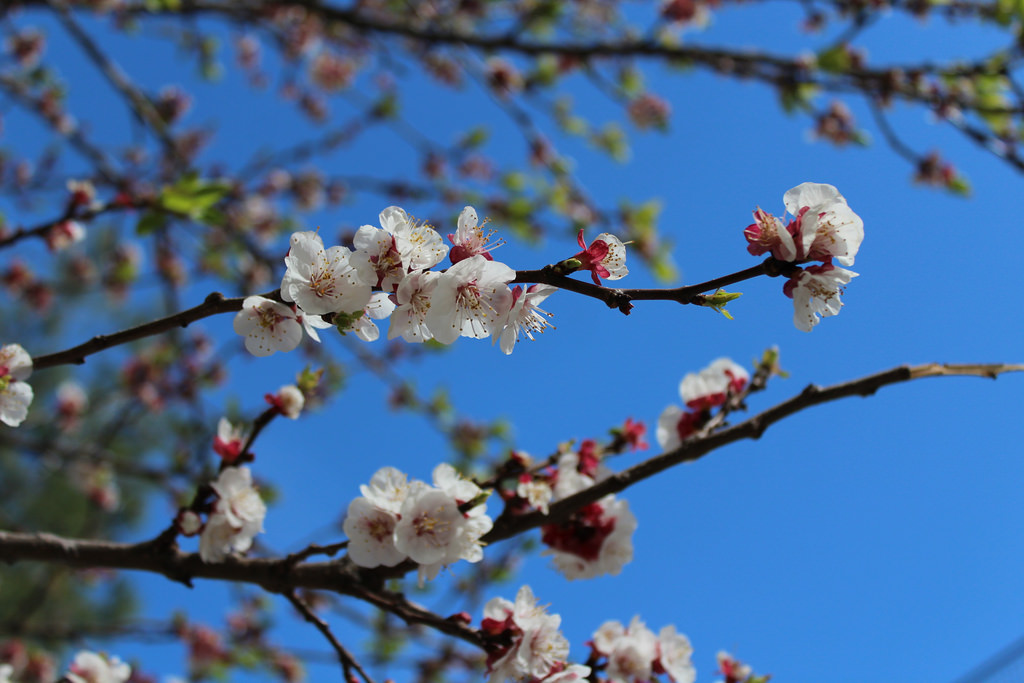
(797,97)
(631,81)
(163,5)
(150,222)
(612,139)
(193,196)
(959,185)
(718,301)
(475,137)
(835,59)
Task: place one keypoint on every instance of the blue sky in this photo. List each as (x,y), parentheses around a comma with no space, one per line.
(866,540)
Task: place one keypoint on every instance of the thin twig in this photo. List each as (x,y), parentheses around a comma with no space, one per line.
(348,662)
(213,304)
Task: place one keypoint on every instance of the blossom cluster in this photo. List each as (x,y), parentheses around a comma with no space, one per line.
(434,526)
(387,275)
(823,227)
(634,653)
(700,391)
(15,392)
(524,643)
(234,516)
(595,540)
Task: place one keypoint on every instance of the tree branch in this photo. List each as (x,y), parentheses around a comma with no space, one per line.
(752,428)
(274,575)
(213,304)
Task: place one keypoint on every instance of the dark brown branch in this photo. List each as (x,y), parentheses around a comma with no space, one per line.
(697,447)
(622,298)
(213,304)
(274,575)
(341,576)
(41,230)
(217,303)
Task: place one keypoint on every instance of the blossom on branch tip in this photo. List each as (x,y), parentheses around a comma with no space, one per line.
(733,669)
(604,258)
(15,393)
(236,518)
(815,291)
(229,441)
(89,667)
(289,401)
(768,234)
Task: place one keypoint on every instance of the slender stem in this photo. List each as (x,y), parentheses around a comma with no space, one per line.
(752,428)
(213,304)
(217,303)
(348,662)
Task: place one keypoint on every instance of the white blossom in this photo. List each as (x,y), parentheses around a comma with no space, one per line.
(64,234)
(712,385)
(674,653)
(388,489)
(615,261)
(379,308)
(322,280)
(469,239)
(525,316)
(828,227)
(409,319)
(371,534)
(536,492)
(667,432)
(616,548)
(236,518)
(268,326)
(631,653)
(290,401)
(89,667)
(15,393)
(815,291)
(400,246)
(538,648)
(472,299)
(420,246)
(573,672)
(397,519)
